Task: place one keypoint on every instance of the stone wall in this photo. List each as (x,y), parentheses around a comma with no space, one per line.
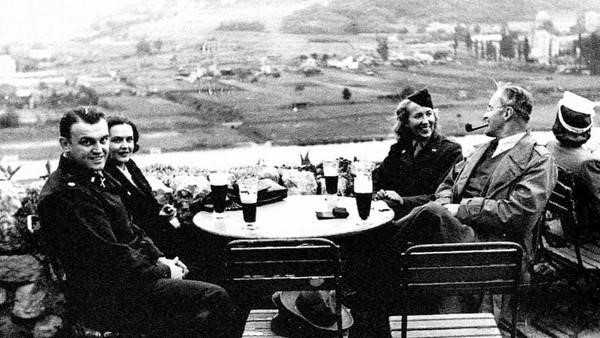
(30,303)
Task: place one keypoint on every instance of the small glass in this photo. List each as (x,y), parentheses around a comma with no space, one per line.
(248,187)
(219,181)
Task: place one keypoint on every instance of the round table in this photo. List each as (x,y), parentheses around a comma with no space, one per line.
(295,217)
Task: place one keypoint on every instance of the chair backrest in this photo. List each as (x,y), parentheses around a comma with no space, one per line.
(286,264)
(462,268)
(562,201)
(267,266)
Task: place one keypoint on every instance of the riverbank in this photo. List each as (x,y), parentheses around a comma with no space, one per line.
(269,154)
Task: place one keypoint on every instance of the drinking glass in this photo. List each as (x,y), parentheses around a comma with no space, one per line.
(248,187)
(363,193)
(218,185)
(330,171)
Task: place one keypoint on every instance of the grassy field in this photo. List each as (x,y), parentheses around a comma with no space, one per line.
(191,115)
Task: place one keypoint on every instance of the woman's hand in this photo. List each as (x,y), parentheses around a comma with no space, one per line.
(390,195)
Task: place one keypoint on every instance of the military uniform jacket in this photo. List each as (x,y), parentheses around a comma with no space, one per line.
(517,193)
(86,226)
(416,178)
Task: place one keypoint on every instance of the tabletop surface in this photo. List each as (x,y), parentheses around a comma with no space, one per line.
(295,217)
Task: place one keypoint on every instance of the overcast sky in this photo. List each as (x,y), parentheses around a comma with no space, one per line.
(50,20)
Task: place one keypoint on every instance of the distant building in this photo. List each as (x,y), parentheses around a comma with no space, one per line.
(486,46)
(544,45)
(40,54)
(489,28)
(8,66)
(435,27)
(520,26)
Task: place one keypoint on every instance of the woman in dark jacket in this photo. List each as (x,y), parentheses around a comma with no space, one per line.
(147,213)
(419,161)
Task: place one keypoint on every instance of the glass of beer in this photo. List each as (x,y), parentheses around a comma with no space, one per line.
(248,187)
(363,192)
(218,186)
(330,171)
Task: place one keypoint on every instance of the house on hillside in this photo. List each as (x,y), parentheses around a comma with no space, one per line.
(487,46)
(520,27)
(8,66)
(436,27)
(544,46)
(40,54)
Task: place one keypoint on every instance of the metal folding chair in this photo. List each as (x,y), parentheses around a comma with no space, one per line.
(458,269)
(266,266)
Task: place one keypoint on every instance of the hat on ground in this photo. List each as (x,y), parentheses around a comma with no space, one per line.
(422,98)
(575,113)
(315,308)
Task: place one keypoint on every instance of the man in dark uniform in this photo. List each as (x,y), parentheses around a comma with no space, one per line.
(419,161)
(117,279)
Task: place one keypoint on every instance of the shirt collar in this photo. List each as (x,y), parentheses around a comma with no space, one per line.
(507,143)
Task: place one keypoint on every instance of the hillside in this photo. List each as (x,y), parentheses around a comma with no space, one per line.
(370,16)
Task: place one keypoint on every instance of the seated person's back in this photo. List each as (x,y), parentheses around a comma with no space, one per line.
(572,129)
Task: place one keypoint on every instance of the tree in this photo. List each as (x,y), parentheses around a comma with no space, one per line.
(143,47)
(383,47)
(468,41)
(526,49)
(158,45)
(491,52)
(507,46)
(346,94)
(590,51)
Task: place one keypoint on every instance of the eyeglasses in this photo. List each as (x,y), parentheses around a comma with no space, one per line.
(492,108)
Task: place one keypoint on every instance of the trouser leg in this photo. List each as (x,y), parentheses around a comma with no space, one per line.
(380,280)
(186,308)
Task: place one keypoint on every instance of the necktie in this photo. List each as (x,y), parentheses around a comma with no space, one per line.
(417,148)
(492,148)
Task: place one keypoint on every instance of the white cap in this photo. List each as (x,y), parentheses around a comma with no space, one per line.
(576,103)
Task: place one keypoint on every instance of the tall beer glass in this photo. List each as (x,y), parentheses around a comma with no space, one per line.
(248,197)
(363,192)
(330,171)
(218,187)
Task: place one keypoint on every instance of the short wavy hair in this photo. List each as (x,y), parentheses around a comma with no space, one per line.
(518,98)
(88,115)
(403,113)
(116,120)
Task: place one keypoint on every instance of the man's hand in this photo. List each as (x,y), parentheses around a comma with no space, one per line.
(177,268)
(452,208)
(181,265)
(389,195)
(168,210)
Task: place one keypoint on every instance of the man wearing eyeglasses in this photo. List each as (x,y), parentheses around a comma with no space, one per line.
(117,279)
(419,161)
(496,194)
